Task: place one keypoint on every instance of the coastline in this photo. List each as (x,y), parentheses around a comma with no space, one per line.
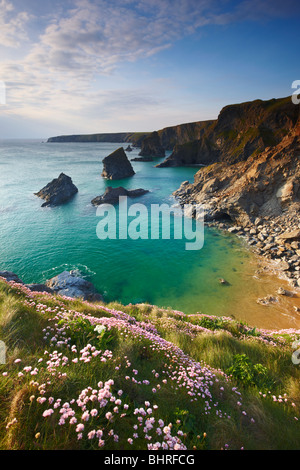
(284,268)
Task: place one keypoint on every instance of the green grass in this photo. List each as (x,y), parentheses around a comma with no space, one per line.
(251,388)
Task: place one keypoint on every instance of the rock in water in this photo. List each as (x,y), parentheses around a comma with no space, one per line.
(9,276)
(142,159)
(151,146)
(71,285)
(58,191)
(111,195)
(117,166)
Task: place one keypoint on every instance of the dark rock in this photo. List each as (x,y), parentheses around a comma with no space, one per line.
(58,191)
(142,159)
(39,288)
(117,166)
(128,149)
(151,146)
(111,195)
(71,285)
(9,276)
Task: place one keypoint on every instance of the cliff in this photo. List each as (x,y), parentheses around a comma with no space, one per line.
(264,185)
(133,137)
(155,144)
(152,144)
(241,130)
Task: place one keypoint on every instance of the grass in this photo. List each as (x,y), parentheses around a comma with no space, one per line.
(87,376)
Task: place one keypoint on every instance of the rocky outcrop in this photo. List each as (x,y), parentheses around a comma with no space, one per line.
(40,288)
(168,136)
(58,191)
(241,131)
(111,195)
(71,285)
(128,149)
(117,166)
(142,159)
(183,133)
(151,146)
(265,185)
(10,276)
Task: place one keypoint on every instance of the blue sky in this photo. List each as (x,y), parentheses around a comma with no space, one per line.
(86,66)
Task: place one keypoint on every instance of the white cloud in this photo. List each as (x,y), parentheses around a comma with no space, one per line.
(12,25)
(81,40)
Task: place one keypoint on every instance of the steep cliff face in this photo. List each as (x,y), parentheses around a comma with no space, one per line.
(151,146)
(242,130)
(155,144)
(265,185)
(178,135)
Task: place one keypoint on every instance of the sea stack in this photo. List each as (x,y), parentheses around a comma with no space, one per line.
(58,191)
(151,146)
(117,166)
(111,195)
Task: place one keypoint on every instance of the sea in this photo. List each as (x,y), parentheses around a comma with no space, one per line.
(38,243)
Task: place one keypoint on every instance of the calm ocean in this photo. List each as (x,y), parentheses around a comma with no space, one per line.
(38,243)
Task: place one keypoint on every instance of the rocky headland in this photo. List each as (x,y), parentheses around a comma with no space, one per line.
(58,191)
(118,137)
(111,195)
(241,131)
(117,166)
(151,146)
(156,142)
(258,199)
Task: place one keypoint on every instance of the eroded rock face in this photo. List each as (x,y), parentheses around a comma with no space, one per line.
(266,185)
(111,195)
(117,166)
(58,191)
(151,146)
(71,285)
(241,131)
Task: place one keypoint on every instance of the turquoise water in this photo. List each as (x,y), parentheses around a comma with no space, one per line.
(38,243)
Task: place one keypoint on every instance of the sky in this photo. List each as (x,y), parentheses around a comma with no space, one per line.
(89,66)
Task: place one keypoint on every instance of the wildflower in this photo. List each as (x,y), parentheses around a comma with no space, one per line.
(99,328)
(79,427)
(48,412)
(91,434)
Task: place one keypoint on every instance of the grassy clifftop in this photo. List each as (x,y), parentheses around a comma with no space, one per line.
(90,376)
